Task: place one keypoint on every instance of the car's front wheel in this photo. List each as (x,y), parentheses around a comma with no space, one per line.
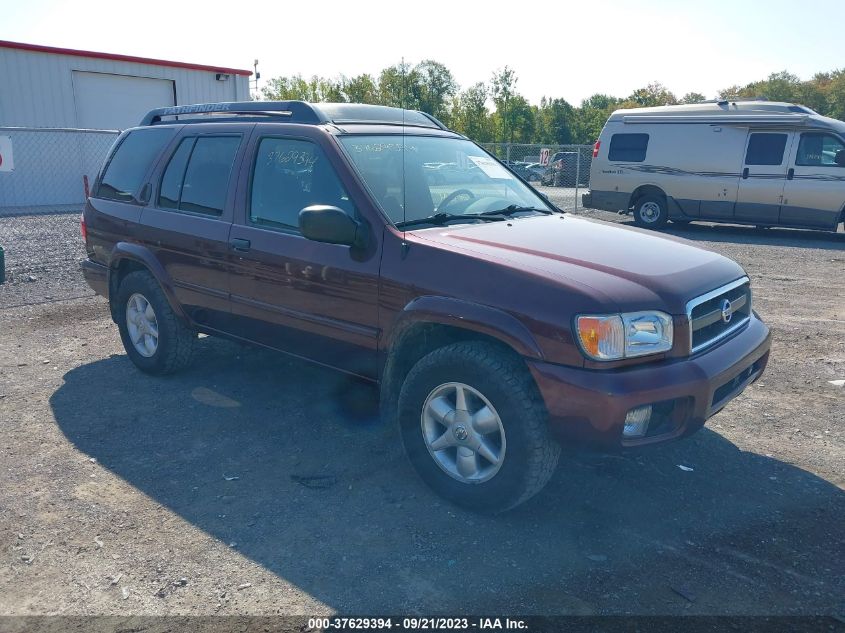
(155,339)
(474,427)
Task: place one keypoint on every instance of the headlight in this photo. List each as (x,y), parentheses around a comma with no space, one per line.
(627,335)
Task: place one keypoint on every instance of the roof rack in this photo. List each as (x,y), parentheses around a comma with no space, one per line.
(299,112)
(728,100)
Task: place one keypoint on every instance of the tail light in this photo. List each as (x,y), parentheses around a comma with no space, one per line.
(83,228)
(596,149)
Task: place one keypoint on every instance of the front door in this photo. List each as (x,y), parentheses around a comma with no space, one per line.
(311,299)
(814,195)
(763,177)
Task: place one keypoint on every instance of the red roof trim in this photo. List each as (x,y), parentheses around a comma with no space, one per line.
(120,58)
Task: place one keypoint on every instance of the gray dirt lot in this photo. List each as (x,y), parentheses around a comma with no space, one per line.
(126,494)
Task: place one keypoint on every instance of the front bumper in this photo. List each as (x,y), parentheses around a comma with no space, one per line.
(591,405)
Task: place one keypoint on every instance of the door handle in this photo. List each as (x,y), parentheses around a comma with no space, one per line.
(239,244)
(790,174)
(745,174)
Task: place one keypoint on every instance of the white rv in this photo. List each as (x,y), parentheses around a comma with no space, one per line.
(747,162)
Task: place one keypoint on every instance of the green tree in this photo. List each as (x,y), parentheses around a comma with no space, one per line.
(555,121)
(470,116)
(360,89)
(503,90)
(654,94)
(693,97)
(436,86)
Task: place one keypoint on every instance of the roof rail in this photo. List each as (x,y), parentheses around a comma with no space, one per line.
(301,112)
(296,111)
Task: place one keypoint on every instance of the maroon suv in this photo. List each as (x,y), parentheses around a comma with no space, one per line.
(495,325)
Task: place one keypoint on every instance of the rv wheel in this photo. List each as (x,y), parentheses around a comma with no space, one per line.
(650,212)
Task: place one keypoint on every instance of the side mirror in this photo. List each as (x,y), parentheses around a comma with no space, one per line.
(839,159)
(324,223)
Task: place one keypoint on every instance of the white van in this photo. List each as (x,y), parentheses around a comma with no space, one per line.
(747,162)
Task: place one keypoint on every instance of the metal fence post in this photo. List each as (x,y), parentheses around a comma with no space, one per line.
(577,175)
(508,153)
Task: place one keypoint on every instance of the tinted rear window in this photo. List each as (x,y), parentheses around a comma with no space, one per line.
(197,176)
(628,148)
(128,165)
(765,149)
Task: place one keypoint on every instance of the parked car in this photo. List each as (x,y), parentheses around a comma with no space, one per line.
(744,162)
(494,325)
(563,170)
(532,172)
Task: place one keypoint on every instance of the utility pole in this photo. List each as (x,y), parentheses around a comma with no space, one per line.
(257,76)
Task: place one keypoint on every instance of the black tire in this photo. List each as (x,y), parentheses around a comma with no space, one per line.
(531,455)
(175,340)
(650,212)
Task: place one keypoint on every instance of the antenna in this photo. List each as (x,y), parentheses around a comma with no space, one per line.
(257,76)
(404,187)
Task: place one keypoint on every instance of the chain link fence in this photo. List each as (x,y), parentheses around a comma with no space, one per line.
(562,172)
(44,176)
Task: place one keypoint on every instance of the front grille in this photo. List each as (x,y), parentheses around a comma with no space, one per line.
(716,314)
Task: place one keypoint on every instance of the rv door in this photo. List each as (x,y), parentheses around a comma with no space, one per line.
(763,177)
(815,185)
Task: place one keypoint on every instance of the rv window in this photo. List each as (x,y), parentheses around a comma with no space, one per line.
(765,149)
(628,148)
(818,150)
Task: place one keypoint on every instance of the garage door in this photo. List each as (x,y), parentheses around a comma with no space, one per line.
(116,102)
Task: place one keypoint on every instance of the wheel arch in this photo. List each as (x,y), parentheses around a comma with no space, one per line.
(126,258)
(647,190)
(428,323)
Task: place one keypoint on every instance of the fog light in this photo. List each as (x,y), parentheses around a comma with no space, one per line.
(636,422)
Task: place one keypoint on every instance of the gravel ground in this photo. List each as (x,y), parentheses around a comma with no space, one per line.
(42,258)
(256,484)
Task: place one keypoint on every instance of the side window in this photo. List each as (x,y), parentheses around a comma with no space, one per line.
(628,148)
(171,183)
(197,176)
(129,163)
(290,175)
(765,149)
(818,150)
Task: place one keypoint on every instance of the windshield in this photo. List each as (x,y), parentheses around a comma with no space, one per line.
(441,176)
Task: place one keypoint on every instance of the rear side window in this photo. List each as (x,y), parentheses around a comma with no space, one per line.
(197,176)
(128,165)
(628,148)
(289,175)
(765,149)
(818,150)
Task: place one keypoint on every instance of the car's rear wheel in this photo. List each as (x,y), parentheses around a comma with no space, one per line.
(154,337)
(474,427)
(650,212)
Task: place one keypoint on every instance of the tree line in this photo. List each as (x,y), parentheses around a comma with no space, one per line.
(430,86)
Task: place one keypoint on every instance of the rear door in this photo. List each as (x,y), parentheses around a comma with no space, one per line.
(763,177)
(189,217)
(814,195)
(311,299)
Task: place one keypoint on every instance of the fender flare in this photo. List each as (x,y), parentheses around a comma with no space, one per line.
(142,255)
(466,315)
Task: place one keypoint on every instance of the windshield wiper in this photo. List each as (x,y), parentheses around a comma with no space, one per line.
(438,219)
(515,208)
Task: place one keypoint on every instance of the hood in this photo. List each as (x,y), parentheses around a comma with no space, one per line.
(632,269)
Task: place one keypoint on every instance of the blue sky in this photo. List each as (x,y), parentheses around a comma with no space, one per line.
(558,48)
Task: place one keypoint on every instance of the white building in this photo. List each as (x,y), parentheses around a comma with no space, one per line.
(47,87)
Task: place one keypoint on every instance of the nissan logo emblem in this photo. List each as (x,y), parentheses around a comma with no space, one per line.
(727,311)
